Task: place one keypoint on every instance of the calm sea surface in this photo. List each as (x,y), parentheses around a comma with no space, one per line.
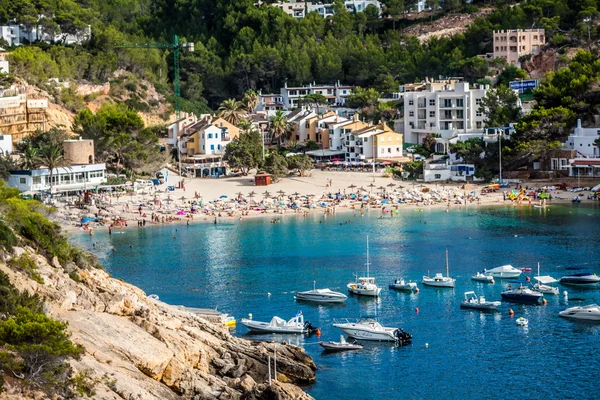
(470,355)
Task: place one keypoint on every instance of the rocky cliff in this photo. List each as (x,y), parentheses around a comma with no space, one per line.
(139,348)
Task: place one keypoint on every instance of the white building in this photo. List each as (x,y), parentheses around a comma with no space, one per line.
(582,141)
(6,145)
(441,170)
(17,35)
(76,177)
(293,9)
(448,112)
(4,68)
(336,94)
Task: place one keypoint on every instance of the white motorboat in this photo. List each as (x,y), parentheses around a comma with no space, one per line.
(522,321)
(342,345)
(321,296)
(481,277)
(581,279)
(440,280)
(478,303)
(278,325)
(505,272)
(590,312)
(404,286)
(544,284)
(364,286)
(370,329)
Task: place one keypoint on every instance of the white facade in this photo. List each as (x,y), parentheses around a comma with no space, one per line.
(338,133)
(16,35)
(335,94)
(6,145)
(361,5)
(301,121)
(293,9)
(446,112)
(76,177)
(447,172)
(582,141)
(4,67)
(213,140)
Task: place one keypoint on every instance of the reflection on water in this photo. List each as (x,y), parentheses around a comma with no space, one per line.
(257,267)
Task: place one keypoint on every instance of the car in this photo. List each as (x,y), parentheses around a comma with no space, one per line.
(411,149)
(144,182)
(418,157)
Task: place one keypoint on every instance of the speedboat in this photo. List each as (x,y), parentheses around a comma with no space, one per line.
(585,279)
(402,285)
(590,312)
(278,325)
(371,329)
(440,280)
(522,321)
(544,284)
(342,345)
(505,271)
(522,294)
(478,303)
(321,296)
(481,277)
(364,286)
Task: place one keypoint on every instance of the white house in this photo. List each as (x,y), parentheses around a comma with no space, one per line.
(335,94)
(6,145)
(582,141)
(441,170)
(16,35)
(448,112)
(76,177)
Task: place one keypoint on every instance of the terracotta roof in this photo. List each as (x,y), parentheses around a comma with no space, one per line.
(584,162)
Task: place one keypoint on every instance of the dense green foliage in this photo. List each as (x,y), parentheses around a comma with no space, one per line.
(241,46)
(245,152)
(300,163)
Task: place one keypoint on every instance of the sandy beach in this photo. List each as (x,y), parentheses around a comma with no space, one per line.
(326,192)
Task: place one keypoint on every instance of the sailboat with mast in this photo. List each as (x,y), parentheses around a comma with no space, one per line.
(440,280)
(544,284)
(364,286)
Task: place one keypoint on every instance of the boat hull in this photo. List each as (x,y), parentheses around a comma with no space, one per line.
(438,284)
(264,327)
(504,275)
(480,307)
(353,289)
(335,346)
(320,298)
(521,298)
(367,335)
(403,288)
(483,279)
(591,281)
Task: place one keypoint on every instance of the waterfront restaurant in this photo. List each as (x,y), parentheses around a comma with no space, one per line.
(65,179)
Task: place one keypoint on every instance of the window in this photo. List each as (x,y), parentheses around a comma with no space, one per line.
(432,114)
(389,150)
(438,176)
(411,102)
(203,136)
(37,180)
(220,124)
(397,149)
(432,102)
(389,138)
(554,166)
(203,147)
(218,147)
(535,49)
(307,124)
(411,113)
(478,113)
(497,48)
(210,135)
(459,102)
(478,124)
(22,181)
(478,101)
(212,146)
(447,103)
(366,139)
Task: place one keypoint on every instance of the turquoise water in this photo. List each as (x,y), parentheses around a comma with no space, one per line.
(470,355)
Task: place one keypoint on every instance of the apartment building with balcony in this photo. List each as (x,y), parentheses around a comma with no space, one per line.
(448,112)
(513,44)
(374,143)
(335,94)
(209,136)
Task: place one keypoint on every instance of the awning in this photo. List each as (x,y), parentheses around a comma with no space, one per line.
(545,279)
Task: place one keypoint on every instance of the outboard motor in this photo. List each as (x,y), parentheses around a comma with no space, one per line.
(310,328)
(403,337)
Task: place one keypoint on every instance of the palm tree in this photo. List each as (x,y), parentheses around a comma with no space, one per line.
(31,158)
(279,127)
(245,125)
(231,111)
(52,157)
(250,100)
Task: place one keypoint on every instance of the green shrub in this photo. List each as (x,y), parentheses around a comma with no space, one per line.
(25,263)
(11,299)
(7,237)
(75,276)
(83,383)
(1,384)
(131,86)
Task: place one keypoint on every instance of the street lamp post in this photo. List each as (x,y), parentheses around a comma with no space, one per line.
(373,145)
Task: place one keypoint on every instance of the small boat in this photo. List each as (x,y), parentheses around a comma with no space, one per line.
(522,294)
(544,284)
(439,280)
(505,272)
(481,277)
(522,321)
(342,345)
(591,312)
(584,279)
(228,320)
(402,285)
(364,286)
(478,303)
(321,295)
(371,329)
(278,325)
(526,269)
(576,199)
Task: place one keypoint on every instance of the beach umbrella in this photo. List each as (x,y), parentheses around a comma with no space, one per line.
(251,195)
(351,187)
(295,194)
(362,189)
(381,188)
(281,192)
(239,194)
(266,194)
(182,198)
(391,185)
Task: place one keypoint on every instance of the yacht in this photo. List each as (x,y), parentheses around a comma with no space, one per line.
(364,286)
(522,294)
(481,277)
(479,303)
(585,279)
(370,329)
(278,325)
(321,296)
(505,271)
(402,285)
(590,312)
(544,284)
(440,280)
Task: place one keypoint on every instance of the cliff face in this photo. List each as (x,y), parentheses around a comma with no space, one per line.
(138,348)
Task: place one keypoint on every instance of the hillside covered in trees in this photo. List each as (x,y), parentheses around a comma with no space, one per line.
(241,46)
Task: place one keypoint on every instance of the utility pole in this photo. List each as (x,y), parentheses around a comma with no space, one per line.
(500,148)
